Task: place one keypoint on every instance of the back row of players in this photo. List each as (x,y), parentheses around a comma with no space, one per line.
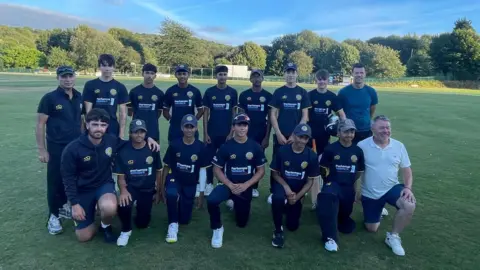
(236,134)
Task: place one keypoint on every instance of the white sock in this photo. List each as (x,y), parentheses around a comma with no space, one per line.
(105,226)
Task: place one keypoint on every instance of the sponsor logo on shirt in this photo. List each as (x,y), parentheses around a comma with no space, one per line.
(241,170)
(140,172)
(183,103)
(185,168)
(294,175)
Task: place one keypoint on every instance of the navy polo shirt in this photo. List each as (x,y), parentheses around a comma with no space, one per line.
(323,104)
(255,105)
(290,102)
(221,103)
(139,166)
(185,161)
(183,101)
(356,104)
(64,115)
(107,96)
(147,105)
(342,163)
(239,160)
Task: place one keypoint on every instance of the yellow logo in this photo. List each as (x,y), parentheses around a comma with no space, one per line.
(87,158)
(286,163)
(189,118)
(140,97)
(249,155)
(175,94)
(304,164)
(97,91)
(299,97)
(249,98)
(108,151)
(149,160)
(130,162)
(178,154)
(262,99)
(59,107)
(304,128)
(172,180)
(190,94)
(328,102)
(227,97)
(315,102)
(113,92)
(354,158)
(214,98)
(138,122)
(154,98)
(329,183)
(284,97)
(233,156)
(194,158)
(337,157)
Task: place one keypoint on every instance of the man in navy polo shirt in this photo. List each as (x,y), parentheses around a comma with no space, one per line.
(138,169)
(109,94)
(294,169)
(182,99)
(219,102)
(254,102)
(289,107)
(60,111)
(238,165)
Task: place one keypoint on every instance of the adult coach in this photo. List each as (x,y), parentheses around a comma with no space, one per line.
(384,158)
(254,102)
(60,112)
(219,102)
(325,103)
(182,98)
(289,107)
(238,164)
(294,169)
(109,94)
(359,102)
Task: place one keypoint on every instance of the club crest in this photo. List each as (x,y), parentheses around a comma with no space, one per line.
(113,92)
(354,158)
(140,97)
(298,97)
(189,118)
(108,151)
(249,155)
(227,97)
(149,160)
(304,128)
(249,98)
(194,158)
(214,98)
(315,102)
(262,99)
(154,98)
(178,154)
(175,94)
(190,94)
(284,97)
(304,164)
(233,156)
(328,102)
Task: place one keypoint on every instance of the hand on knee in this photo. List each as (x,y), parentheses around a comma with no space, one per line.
(408,207)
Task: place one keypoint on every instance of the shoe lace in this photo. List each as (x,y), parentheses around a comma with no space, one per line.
(171,229)
(54,221)
(396,238)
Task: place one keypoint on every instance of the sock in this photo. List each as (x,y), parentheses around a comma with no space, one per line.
(105,226)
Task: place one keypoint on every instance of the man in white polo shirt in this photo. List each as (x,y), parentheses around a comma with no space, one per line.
(384,158)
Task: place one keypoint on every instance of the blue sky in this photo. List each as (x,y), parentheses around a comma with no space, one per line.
(234,22)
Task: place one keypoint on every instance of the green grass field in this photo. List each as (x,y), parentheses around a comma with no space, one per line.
(440,132)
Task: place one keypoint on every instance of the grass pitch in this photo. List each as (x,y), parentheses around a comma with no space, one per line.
(440,132)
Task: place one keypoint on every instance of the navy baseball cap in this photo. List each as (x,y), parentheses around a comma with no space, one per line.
(256,71)
(137,124)
(62,70)
(303,130)
(241,118)
(182,67)
(290,66)
(189,119)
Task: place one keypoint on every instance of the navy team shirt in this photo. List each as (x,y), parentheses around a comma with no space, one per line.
(221,103)
(342,163)
(289,102)
(239,160)
(356,104)
(295,168)
(64,115)
(107,96)
(255,105)
(183,101)
(139,166)
(323,104)
(185,161)
(147,104)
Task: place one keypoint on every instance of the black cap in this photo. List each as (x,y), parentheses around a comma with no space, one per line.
(302,130)
(182,67)
(241,118)
(290,66)
(256,71)
(137,124)
(62,70)
(189,119)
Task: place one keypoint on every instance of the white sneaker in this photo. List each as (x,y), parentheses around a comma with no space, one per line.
(217,238)
(331,245)
(255,193)
(208,189)
(172,233)
(65,211)
(229,203)
(122,240)
(54,226)
(384,212)
(269,200)
(394,241)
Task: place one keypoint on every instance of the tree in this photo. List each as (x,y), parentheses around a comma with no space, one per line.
(222,61)
(58,57)
(382,62)
(420,64)
(254,55)
(149,56)
(339,57)
(128,59)
(303,61)
(466,52)
(276,63)
(441,53)
(20,56)
(463,24)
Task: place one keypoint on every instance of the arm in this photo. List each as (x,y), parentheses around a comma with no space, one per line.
(166,113)
(88,106)
(40,136)
(304,119)
(122,183)
(206,116)
(200,112)
(123,119)
(306,187)
(373,105)
(372,110)
(274,120)
(259,173)
(341,114)
(218,172)
(407,177)
(276,175)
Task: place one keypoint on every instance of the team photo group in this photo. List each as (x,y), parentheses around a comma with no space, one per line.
(330,146)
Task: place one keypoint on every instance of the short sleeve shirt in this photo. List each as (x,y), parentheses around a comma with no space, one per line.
(342,163)
(146,104)
(323,104)
(221,103)
(356,104)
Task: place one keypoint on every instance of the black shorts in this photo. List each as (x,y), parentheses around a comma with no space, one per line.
(88,200)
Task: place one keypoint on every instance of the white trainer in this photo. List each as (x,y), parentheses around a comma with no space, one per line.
(122,240)
(255,193)
(217,238)
(394,241)
(54,226)
(384,212)
(65,211)
(331,245)
(208,189)
(230,204)
(172,233)
(269,200)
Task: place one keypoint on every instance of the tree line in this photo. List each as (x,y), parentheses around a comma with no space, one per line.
(455,54)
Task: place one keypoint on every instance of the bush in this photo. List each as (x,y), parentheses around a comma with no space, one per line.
(428,84)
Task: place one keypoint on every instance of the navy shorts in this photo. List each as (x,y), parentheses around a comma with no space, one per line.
(372,209)
(88,200)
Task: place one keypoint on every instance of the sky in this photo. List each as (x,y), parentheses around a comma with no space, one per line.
(234,22)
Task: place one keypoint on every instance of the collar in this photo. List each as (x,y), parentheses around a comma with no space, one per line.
(75,93)
(374,145)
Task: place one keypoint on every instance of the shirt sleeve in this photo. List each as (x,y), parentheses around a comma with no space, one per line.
(119,168)
(361,160)
(313,170)
(167,159)
(157,161)
(242,103)
(44,105)
(198,99)
(220,157)
(160,102)
(88,93)
(405,159)
(167,100)
(336,104)
(234,98)
(206,99)
(341,98)
(133,99)
(260,159)
(122,94)
(305,100)
(276,101)
(373,96)
(68,169)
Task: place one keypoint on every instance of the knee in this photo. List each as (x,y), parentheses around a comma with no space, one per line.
(408,207)
(292,226)
(108,208)
(172,194)
(85,235)
(278,198)
(372,227)
(213,201)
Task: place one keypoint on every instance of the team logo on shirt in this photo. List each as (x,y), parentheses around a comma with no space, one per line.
(113,92)
(154,98)
(233,156)
(214,98)
(328,102)
(97,91)
(284,97)
(194,158)
(286,163)
(304,164)
(190,94)
(140,97)
(249,155)
(59,107)
(299,97)
(337,157)
(149,160)
(315,102)
(108,151)
(130,162)
(227,97)
(172,180)
(178,154)
(354,158)
(86,159)
(249,98)
(262,99)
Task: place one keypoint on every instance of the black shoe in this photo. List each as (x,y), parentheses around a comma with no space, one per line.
(108,234)
(278,240)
